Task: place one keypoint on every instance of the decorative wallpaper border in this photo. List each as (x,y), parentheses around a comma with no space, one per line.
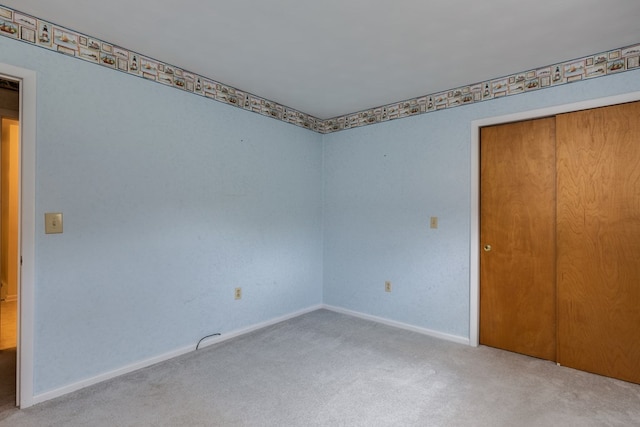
(17,25)
(588,67)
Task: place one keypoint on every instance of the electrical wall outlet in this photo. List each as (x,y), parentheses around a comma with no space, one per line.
(238,293)
(387,286)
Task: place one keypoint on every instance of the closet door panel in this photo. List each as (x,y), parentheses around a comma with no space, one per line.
(598,240)
(517,235)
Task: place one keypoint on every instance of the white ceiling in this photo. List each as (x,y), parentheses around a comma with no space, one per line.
(332,57)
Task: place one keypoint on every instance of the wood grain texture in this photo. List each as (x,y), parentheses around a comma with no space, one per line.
(517,218)
(599,241)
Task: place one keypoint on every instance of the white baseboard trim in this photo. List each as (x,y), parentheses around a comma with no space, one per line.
(400,325)
(228,335)
(42,397)
(48,395)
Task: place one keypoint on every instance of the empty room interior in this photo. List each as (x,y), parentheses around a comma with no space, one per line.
(320,213)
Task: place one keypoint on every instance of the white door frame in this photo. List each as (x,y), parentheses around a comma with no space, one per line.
(474,249)
(26,241)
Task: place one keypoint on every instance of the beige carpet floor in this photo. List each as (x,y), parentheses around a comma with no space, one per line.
(328,369)
(7,379)
(8,315)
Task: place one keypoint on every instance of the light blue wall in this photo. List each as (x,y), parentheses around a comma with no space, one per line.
(383,182)
(170,201)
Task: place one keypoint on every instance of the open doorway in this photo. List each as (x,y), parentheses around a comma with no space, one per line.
(9,235)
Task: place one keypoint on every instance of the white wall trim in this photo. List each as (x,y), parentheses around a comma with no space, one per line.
(164,357)
(474,250)
(26,242)
(257,326)
(400,325)
(52,394)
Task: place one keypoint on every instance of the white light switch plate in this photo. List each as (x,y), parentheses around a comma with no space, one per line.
(53,222)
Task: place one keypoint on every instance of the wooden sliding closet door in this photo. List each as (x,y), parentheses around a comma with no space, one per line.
(517,235)
(598,269)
